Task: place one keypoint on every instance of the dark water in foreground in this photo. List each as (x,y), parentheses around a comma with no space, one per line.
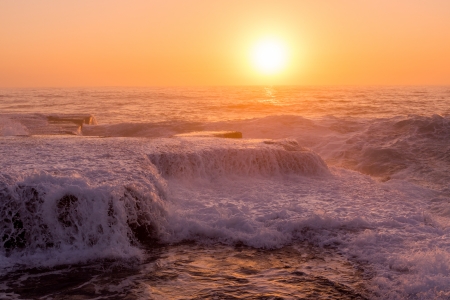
(190,271)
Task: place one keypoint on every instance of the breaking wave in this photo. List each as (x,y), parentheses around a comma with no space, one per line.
(266,158)
(79,209)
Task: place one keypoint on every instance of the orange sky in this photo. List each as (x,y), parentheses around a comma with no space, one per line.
(207,42)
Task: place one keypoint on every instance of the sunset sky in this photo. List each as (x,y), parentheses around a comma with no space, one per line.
(203,42)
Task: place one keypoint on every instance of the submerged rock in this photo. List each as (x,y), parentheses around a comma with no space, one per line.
(75,119)
(65,206)
(219,134)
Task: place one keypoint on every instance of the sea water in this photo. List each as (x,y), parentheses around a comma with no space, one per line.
(332,193)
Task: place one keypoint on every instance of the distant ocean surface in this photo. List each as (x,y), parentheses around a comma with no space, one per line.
(331,193)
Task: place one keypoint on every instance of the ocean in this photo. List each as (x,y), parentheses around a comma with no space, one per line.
(260,192)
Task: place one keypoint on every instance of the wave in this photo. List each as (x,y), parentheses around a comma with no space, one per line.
(66,200)
(244,158)
(97,198)
(413,148)
(47,219)
(410,147)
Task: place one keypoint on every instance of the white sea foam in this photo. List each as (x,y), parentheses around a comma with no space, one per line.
(383,224)
(216,158)
(66,200)
(84,208)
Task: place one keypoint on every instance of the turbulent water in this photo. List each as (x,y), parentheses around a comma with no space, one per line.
(332,193)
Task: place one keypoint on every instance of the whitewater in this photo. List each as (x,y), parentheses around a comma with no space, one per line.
(225,192)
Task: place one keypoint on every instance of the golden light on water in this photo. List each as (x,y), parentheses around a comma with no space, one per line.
(269,56)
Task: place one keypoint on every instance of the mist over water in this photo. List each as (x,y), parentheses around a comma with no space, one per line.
(348,187)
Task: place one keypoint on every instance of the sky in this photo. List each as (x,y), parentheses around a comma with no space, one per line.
(204,42)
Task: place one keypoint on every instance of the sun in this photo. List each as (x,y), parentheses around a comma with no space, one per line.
(269,56)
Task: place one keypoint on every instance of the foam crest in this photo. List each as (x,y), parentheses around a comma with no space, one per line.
(207,158)
(65,220)
(66,200)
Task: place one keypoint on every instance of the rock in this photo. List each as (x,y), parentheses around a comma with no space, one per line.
(219,134)
(75,119)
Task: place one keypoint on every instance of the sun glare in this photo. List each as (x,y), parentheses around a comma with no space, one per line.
(269,56)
